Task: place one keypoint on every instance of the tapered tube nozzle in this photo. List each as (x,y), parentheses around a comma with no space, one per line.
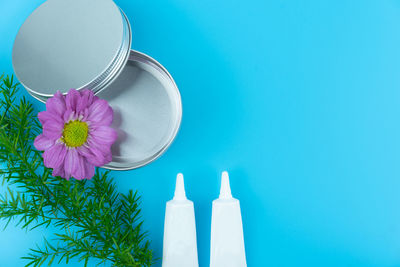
(225,191)
(179,188)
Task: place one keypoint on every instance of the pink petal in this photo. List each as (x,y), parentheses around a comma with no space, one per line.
(69,115)
(54,156)
(80,171)
(53,129)
(60,172)
(108,157)
(42,142)
(56,104)
(74,165)
(84,114)
(72,99)
(103,135)
(89,170)
(71,161)
(45,116)
(100,113)
(85,100)
(94,155)
(104,148)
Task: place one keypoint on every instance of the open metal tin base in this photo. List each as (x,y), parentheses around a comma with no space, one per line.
(147,112)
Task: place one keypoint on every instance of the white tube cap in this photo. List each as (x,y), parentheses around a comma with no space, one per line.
(225,191)
(180,193)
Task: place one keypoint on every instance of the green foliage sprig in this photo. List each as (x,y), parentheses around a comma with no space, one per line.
(95,221)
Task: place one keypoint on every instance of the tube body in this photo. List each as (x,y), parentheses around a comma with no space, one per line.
(180,244)
(227,242)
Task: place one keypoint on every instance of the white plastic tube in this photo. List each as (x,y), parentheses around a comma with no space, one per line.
(180,244)
(227,243)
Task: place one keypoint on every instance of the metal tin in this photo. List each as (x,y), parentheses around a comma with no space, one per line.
(71,44)
(147,112)
(86,44)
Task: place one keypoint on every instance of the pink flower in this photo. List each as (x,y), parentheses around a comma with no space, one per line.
(76,134)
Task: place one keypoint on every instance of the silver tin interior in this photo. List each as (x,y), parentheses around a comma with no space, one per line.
(147,112)
(71,44)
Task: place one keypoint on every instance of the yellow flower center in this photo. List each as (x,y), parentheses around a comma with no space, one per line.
(75,133)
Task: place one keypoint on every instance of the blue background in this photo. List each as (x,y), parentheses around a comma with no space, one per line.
(298,100)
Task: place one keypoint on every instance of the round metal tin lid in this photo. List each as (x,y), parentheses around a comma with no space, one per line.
(71,44)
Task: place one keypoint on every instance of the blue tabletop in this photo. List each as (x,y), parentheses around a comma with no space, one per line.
(298,100)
